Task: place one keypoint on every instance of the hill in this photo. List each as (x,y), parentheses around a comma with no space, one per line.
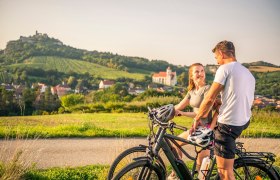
(42,45)
(45,59)
(260,63)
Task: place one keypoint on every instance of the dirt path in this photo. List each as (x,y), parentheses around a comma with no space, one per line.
(80,152)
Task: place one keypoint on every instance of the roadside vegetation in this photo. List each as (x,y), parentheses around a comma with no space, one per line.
(77,173)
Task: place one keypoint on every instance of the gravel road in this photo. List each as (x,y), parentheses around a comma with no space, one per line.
(82,151)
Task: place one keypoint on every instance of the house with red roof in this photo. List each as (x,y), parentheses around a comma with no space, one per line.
(61,89)
(167,78)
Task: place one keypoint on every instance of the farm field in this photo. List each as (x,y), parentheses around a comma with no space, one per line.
(263,124)
(263,69)
(71,65)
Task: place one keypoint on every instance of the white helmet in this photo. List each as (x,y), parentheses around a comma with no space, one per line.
(202,136)
(165,113)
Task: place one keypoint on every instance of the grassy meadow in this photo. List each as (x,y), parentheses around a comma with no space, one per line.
(263,124)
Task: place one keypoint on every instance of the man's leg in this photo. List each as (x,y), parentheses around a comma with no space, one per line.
(225,168)
(224,149)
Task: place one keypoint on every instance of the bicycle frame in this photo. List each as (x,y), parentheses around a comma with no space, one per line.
(164,141)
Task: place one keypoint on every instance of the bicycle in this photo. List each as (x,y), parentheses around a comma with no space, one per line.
(248,165)
(130,154)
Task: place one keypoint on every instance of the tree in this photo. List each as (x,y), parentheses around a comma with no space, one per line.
(23,76)
(28,98)
(183,79)
(8,104)
(72,82)
(71,100)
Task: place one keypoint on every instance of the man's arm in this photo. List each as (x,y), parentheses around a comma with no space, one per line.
(208,102)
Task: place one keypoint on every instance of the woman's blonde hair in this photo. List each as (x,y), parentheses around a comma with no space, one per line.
(191,85)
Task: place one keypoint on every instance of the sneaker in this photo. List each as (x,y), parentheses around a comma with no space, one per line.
(172,177)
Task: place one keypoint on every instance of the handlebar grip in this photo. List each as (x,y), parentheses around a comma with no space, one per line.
(180,127)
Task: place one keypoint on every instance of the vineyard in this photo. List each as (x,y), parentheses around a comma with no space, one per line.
(66,65)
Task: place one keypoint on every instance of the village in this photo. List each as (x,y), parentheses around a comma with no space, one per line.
(163,81)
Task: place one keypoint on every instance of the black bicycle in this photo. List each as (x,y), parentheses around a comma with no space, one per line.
(148,165)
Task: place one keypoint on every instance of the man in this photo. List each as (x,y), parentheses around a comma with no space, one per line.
(236,85)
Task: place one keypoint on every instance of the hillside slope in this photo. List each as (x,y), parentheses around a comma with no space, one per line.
(263,68)
(66,65)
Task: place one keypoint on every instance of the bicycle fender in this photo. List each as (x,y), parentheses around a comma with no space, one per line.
(157,162)
(250,160)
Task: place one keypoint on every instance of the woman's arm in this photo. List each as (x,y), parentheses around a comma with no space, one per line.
(182,104)
(188,114)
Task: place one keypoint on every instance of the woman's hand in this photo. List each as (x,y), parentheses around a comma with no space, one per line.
(178,113)
(196,123)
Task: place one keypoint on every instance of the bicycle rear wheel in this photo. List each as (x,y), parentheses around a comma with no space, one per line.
(258,171)
(141,169)
(254,171)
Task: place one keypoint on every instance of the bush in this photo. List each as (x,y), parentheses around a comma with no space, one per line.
(110,106)
(61,110)
(97,107)
(45,113)
(72,100)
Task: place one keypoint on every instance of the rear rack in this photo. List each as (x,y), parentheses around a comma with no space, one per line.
(267,157)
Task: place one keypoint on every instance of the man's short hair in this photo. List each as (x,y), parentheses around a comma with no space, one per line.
(226,47)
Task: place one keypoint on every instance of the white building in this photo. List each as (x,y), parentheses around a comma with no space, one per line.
(168,78)
(104,84)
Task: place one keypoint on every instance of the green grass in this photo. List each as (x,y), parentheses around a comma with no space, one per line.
(263,124)
(72,65)
(87,173)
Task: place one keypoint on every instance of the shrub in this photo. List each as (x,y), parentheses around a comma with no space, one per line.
(45,113)
(61,110)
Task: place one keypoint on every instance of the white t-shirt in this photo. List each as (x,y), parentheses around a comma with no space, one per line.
(238,93)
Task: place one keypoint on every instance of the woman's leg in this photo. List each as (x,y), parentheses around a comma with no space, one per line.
(200,157)
(184,135)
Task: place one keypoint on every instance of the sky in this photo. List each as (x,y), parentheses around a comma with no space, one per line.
(180,32)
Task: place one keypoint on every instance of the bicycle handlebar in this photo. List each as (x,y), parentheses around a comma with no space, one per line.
(180,127)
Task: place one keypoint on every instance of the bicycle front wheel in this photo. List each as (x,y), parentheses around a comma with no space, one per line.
(254,171)
(125,158)
(141,169)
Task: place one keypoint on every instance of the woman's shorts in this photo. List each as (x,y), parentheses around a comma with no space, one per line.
(225,136)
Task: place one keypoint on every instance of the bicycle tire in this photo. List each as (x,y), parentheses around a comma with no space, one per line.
(255,171)
(141,169)
(134,150)
(127,157)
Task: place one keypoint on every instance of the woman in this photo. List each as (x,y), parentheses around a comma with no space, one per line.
(197,89)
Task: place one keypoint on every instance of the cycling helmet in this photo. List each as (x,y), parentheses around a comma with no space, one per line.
(202,136)
(165,113)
